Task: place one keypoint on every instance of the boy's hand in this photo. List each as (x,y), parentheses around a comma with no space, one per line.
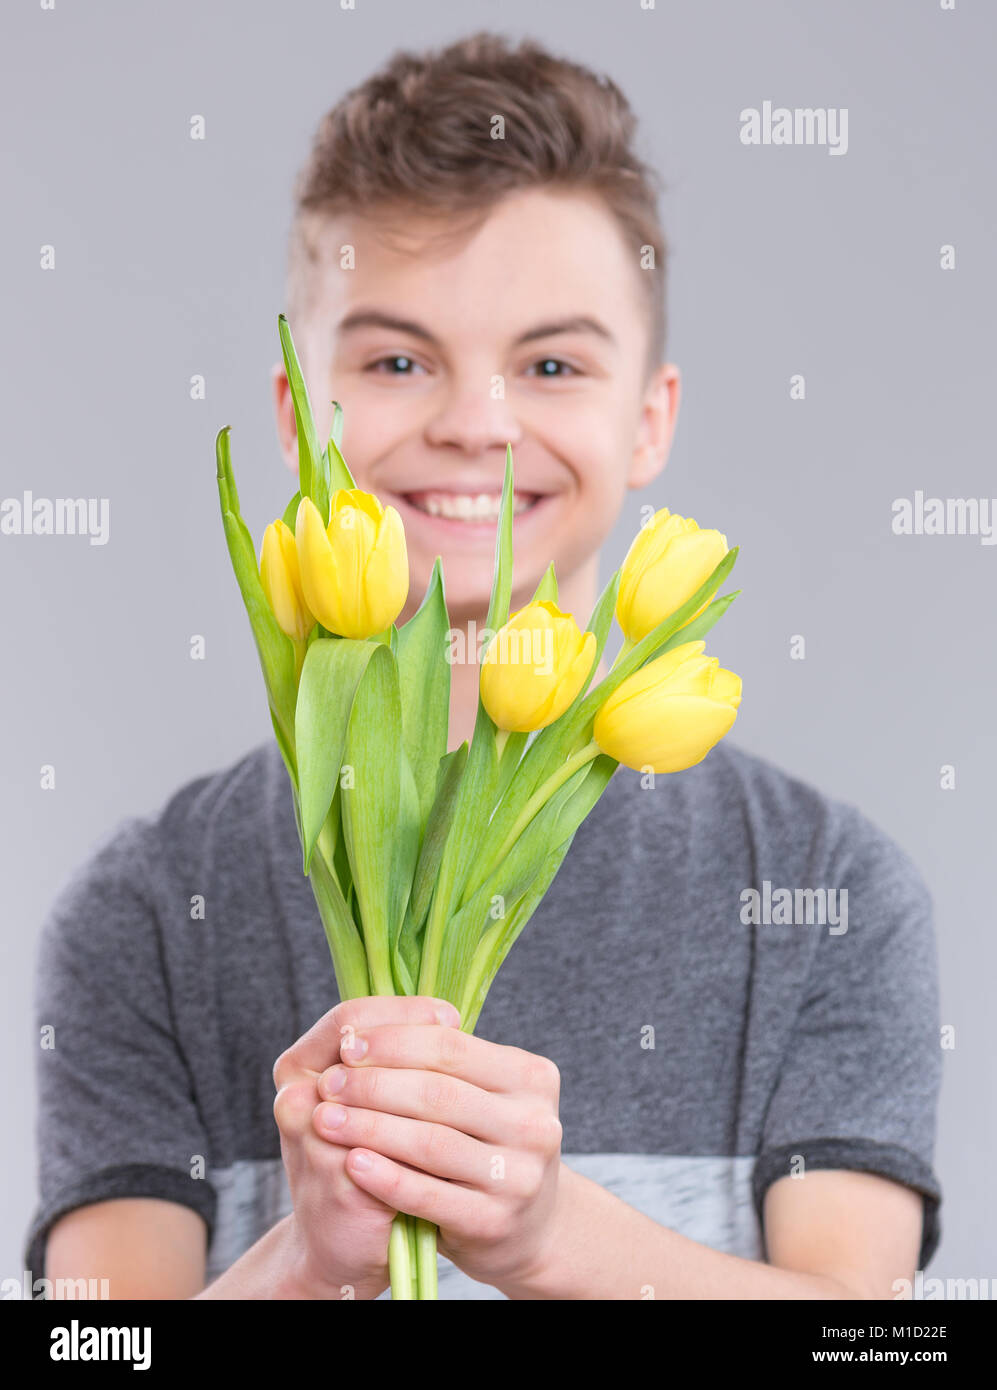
(338,1231)
(443,1125)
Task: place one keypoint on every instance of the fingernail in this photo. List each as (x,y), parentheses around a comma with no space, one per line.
(333,1116)
(361,1161)
(447,1015)
(334,1081)
(355,1049)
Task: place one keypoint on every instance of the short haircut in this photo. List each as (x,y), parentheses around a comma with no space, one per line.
(417,137)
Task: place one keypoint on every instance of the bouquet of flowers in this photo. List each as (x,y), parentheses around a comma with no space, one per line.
(426,862)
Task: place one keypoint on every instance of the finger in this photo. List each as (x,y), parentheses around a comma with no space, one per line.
(425,1047)
(320,1046)
(457,1210)
(436,1149)
(422,1095)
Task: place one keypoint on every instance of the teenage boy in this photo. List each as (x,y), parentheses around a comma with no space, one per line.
(688,1103)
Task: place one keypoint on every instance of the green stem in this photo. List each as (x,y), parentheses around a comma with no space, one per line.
(425,1240)
(470,1006)
(626,648)
(400,1264)
(539,799)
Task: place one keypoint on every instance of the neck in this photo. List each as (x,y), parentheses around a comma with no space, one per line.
(576,595)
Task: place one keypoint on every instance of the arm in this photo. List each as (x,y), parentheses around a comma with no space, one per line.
(150,1249)
(433,1111)
(830,1235)
(143,1247)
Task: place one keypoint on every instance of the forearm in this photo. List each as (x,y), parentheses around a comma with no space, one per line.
(601,1248)
(274,1269)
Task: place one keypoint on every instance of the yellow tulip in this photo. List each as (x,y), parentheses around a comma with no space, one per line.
(534,667)
(669,559)
(669,714)
(281,580)
(354,572)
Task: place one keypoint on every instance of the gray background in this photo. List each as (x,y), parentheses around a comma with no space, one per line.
(169,262)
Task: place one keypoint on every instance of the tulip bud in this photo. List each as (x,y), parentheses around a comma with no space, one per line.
(669,559)
(669,714)
(281,580)
(354,572)
(534,667)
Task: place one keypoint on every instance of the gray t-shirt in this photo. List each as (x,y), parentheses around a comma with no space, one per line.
(735,974)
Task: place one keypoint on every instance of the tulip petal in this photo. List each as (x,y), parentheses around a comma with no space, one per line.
(320,581)
(667,734)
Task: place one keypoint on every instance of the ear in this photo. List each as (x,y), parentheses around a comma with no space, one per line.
(284,409)
(659,411)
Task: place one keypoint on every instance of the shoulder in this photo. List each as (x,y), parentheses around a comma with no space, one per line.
(133,865)
(758,814)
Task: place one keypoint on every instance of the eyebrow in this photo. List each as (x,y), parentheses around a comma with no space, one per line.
(375,318)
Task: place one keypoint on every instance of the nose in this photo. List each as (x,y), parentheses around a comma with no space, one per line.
(473,416)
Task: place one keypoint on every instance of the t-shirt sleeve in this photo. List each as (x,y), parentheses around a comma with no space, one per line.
(116,1114)
(858,1088)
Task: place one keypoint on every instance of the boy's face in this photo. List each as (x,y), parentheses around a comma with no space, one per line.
(533,331)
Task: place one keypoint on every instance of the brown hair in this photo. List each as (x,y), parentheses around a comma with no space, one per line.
(418,135)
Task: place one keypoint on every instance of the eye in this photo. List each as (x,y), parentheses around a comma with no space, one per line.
(551,367)
(395,365)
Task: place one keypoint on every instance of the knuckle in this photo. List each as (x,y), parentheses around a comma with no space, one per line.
(366,1085)
(440,1144)
(494,1224)
(340,1013)
(453,1046)
(543,1076)
(281,1068)
(438,1093)
(391,1181)
(528,1177)
(291,1106)
(539,1131)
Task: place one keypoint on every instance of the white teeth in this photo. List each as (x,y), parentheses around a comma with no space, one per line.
(467,506)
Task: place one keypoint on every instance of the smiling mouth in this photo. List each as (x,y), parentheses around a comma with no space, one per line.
(468,506)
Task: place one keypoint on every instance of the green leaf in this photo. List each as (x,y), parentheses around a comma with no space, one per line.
(345,943)
(547,588)
(313,470)
(330,677)
(583,791)
(449,773)
(405,847)
(700,626)
(475,798)
(291,511)
(424,674)
(373,808)
(336,434)
(498,605)
(512,752)
(339,474)
(601,621)
(275,648)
